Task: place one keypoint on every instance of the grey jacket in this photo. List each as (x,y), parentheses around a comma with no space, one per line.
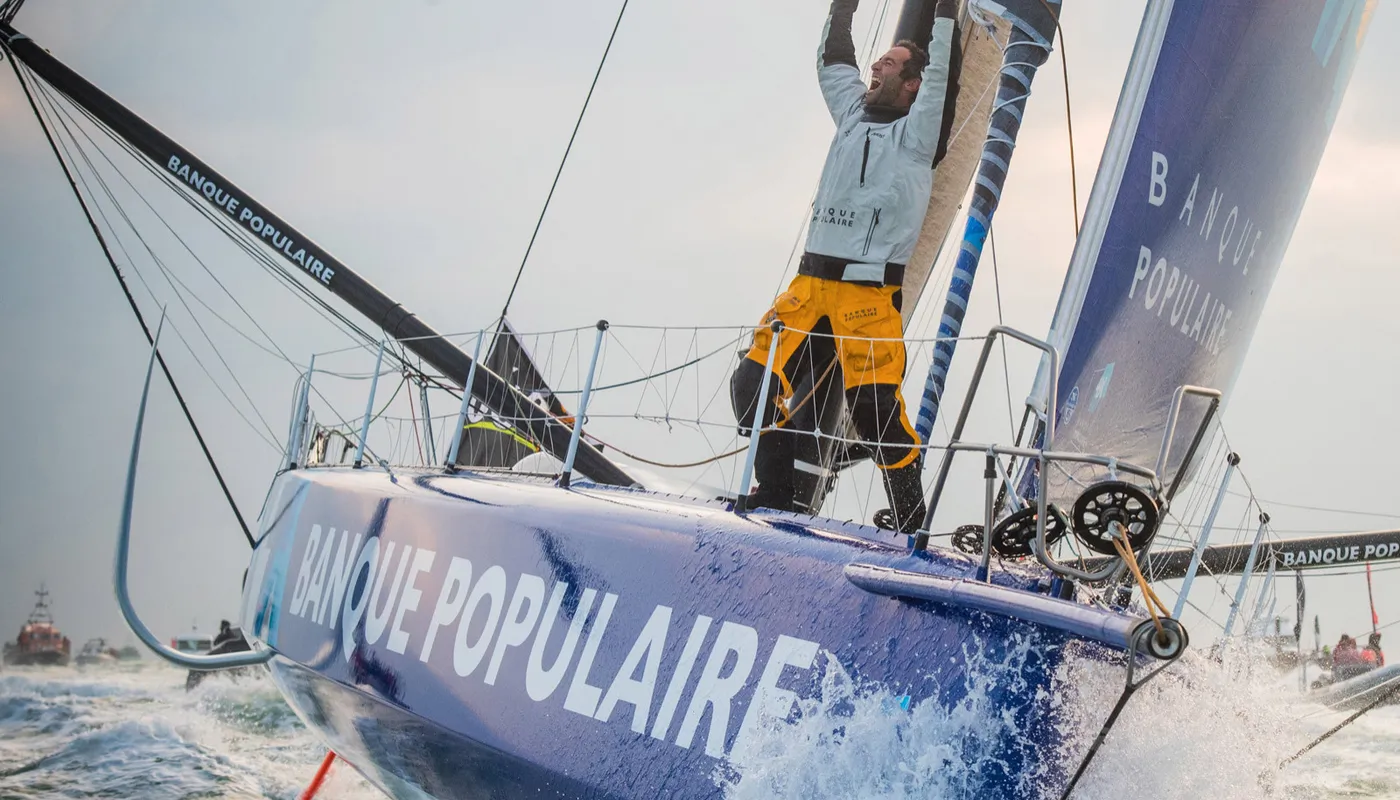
(875,186)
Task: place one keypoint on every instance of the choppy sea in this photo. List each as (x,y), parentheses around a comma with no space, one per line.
(132,731)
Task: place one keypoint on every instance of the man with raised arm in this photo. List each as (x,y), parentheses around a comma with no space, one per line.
(845,300)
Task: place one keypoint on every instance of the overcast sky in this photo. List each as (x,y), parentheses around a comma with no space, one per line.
(417,142)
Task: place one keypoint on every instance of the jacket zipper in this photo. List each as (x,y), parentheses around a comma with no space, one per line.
(865,158)
(870,234)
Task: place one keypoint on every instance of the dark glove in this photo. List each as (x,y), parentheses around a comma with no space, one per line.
(946,9)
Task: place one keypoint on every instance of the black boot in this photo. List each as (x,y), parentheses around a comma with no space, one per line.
(905,489)
(773,469)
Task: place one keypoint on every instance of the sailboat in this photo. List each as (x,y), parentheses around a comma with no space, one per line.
(459,632)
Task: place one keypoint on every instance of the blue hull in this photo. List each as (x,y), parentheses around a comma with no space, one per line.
(466,636)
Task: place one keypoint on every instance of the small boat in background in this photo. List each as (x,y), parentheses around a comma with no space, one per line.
(39,642)
(96,651)
(229,640)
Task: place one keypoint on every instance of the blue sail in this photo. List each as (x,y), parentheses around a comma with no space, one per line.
(1224,117)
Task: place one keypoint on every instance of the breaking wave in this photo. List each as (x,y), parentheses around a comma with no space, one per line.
(1198,730)
(133,731)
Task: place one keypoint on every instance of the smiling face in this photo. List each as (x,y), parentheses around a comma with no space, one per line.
(887,88)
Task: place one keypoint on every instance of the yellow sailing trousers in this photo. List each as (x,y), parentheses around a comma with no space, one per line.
(860,325)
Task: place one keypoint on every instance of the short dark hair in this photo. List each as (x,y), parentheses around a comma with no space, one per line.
(918,59)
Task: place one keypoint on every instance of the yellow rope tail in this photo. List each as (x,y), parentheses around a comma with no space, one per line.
(1154,603)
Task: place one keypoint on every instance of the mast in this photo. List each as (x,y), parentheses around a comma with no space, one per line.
(322,268)
(1032,34)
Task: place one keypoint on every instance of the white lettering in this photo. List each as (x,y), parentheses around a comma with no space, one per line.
(1208,223)
(357,598)
(408,600)
(1171,289)
(718,692)
(381,609)
(1252,247)
(339,578)
(649,646)
(769,700)
(583,698)
(1144,263)
(1226,232)
(449,604)
(492,586)
(680,677)
(540,683)
(520,620)
(1157,189)
(318,579)
(303,583)
(1159,274)
(1189,207)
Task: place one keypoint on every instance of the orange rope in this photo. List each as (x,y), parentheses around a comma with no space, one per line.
(1154,603)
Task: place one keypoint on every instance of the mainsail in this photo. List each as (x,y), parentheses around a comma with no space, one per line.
(1219,130)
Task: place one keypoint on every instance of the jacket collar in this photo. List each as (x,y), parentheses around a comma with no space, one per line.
(883,114)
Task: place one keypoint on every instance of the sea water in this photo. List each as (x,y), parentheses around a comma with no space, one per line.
(132,731)
(1199,730)
(1206,727)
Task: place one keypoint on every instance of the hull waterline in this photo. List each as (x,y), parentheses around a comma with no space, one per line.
(467,636)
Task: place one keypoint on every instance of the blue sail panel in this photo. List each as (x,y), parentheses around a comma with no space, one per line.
(1228,138)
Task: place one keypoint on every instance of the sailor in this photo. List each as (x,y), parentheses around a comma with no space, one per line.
(845,300)
(1373,646)
(1347,661)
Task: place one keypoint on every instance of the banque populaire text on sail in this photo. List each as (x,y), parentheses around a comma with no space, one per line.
(1232,242)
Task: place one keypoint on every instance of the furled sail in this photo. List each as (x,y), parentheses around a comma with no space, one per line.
(980,63)
(1032,30)
(1218,133)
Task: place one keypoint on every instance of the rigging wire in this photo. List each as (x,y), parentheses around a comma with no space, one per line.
(250,246)
(1001,320)
(271,435)
(275,351)
(184,407)
(241,239)
(1384,697)
(1069,117)
(579,122)
(1321,508)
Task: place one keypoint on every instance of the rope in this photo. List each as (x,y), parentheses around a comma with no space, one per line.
(1150,598)
(1129,688)
(1385,697)
(563,161)
(1069,118)
(712,459)
(111,261)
